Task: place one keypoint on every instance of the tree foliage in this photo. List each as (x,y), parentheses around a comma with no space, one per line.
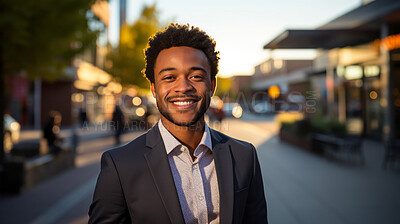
(40,37)
(128,59)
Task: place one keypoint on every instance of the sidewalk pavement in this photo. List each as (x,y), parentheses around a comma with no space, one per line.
(65,198)
(304,188)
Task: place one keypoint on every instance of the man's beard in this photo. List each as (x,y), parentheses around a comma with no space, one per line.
(199,114)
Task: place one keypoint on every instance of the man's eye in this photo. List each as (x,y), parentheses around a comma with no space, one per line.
(197,77)
(168,78)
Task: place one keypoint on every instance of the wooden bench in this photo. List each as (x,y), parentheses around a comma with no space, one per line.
(347,145)
(392,153)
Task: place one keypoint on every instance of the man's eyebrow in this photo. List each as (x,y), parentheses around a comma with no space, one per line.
(191,69)
(166,69)
(198,68)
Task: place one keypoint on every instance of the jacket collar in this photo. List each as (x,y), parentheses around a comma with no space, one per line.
(224,168)
(157,161)
(170,142)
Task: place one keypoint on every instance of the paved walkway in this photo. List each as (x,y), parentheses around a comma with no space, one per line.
(66,197)
(304,188)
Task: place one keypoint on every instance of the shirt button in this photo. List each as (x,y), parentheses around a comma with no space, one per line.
(201,198)
(195,166)
(183,148)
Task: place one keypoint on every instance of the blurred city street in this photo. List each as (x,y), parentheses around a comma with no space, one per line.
(314,85)
(301,187)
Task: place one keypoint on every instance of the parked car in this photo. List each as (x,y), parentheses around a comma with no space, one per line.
(263,107)
(11,132)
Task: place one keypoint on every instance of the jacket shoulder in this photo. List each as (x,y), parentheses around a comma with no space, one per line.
(134,148)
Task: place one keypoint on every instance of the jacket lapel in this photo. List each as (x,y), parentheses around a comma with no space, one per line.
(224,169)
(157,161)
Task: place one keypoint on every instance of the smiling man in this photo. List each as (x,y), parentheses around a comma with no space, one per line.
(180,171)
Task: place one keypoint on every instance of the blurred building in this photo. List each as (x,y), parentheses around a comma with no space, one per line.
(241,84)
(357,65)
(83,87)
(95,94)
(289,77)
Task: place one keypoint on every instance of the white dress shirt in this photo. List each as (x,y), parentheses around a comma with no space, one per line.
(195,181)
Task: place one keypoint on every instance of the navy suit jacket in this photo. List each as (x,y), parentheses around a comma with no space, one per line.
(135,184)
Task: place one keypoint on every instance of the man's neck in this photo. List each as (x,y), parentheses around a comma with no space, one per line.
(189,136)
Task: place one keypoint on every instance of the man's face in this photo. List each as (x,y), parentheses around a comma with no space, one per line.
(182,85)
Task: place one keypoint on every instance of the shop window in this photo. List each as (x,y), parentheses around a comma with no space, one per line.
(353,72)
(371,71)
(278,63)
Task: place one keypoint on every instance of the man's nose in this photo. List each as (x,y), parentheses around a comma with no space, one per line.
(183,85)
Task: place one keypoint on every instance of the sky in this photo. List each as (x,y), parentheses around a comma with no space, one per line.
(241,28)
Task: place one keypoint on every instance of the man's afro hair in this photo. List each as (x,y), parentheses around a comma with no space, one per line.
(176,35)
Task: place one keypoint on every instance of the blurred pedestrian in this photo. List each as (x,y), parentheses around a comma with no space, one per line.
(118,124)
(51,132)
(180,171)
(74,138)
(82,116)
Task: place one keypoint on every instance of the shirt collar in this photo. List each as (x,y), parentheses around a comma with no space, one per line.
(170,142)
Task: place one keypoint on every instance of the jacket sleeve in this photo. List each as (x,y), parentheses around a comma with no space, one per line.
(108,205)
(256,206)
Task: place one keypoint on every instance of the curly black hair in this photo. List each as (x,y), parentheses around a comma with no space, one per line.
(176,35)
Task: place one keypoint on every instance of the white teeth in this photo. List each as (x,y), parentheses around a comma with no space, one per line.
(181,103)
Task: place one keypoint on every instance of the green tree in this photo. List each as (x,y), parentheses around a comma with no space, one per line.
(40,37)
(128,59)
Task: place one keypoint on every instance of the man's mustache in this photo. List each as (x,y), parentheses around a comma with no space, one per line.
(196,97)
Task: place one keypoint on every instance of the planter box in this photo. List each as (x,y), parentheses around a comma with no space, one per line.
(30,148)
(304,143)
(23,173)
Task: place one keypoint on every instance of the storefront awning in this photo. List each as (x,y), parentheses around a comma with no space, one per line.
(369,16)
(325,39)
(360,25)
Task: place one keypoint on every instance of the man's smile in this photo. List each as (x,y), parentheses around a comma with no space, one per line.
(184,102)
(181,103)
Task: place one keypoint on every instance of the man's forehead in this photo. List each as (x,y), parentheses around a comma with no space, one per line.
(182,50)
(181,55)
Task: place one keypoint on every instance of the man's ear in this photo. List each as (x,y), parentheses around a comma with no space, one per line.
(153,91)
(213,85)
